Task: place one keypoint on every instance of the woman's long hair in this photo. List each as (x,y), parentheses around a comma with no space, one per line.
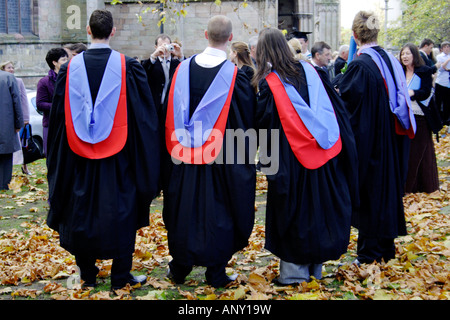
(242,53)
(273,54)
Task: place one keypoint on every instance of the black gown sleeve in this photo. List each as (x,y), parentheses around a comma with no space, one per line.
(145,131)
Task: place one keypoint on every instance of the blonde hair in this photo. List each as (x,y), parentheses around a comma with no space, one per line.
(242,53)
(296,48)
(366,27)
(4,64)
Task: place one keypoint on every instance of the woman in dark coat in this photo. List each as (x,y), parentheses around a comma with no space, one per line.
(55,58)
(240,56)
(422,167)
(311,196)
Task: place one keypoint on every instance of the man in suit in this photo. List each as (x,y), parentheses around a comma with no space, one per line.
(425,49)
(321,57)
(161,66)
(103,158)
(341,60)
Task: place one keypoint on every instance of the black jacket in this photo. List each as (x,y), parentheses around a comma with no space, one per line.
(155,77)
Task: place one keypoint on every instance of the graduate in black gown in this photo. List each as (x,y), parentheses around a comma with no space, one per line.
(240,56)
(208,203)
(382,140)
(103,170)
(312,195)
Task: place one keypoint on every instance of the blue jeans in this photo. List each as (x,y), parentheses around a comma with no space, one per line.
(297,273)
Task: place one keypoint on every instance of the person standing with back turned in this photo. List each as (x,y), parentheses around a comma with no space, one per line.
(103,159)
(311,197)
(376,96)
(208,204)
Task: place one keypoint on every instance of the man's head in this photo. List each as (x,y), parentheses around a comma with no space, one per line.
(219,31)
(162,39)
(426,46)
(343,51)
(252,42)
(304,43)
(302,37)
(101,25)
(445,46)
(321,53)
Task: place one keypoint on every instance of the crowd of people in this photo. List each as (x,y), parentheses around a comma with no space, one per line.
(352,136)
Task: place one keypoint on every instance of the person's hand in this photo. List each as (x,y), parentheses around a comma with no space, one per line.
(411,92)
(159,52)
(177,52)
(445,64)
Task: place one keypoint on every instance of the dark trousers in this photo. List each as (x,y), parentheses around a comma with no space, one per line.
(6,166)
(375,249)
(215,275)
(442,95)
(120,270)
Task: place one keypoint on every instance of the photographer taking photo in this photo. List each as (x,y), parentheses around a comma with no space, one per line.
(161,66)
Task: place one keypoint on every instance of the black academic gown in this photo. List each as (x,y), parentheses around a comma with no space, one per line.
(308,212)
(209,209)
(97,205)
(383,154)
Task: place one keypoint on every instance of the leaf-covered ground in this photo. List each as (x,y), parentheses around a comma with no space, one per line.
(33,265)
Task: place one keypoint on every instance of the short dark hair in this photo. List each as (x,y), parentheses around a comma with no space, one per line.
(55,54)
(162,36)
(77,47)
(101,24)
(426,42)
(318,48)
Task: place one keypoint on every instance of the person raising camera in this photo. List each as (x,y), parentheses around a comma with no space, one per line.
(161,65)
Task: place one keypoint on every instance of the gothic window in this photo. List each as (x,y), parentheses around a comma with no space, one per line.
(16,16)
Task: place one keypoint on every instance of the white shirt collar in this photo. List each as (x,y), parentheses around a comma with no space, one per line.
(210,57)
(313,63)
(99,46)
(161,59)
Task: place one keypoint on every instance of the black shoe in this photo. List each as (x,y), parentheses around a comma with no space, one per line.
(226,281)
(132,281)
(88,285)
(25,171)
(277,282)
(174,279)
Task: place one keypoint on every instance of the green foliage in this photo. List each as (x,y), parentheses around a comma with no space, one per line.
(421,19)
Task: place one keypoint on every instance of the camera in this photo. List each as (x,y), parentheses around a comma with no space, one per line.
(169,47)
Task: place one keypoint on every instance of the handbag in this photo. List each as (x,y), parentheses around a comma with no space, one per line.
(31,149)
